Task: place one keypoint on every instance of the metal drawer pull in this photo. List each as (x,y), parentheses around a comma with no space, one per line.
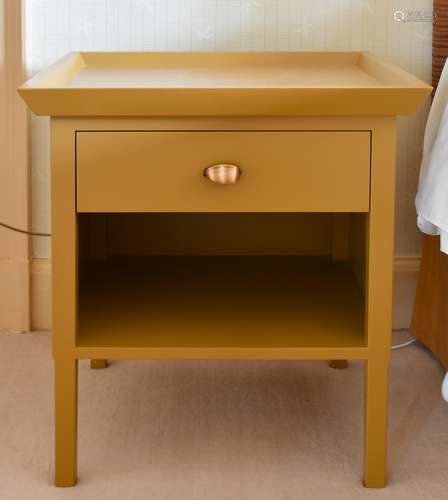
(223,173)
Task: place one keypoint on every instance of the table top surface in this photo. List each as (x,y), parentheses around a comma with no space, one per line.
(239,83)
(225,78)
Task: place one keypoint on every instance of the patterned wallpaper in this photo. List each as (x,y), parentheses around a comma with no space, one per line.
(400,30)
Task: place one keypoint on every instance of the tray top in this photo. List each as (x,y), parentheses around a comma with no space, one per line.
(222,84)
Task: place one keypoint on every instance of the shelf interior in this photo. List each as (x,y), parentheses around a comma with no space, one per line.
(219,302)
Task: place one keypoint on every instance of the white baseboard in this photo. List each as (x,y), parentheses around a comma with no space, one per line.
(405,282)
(14,299)
(41,294)
(406,271)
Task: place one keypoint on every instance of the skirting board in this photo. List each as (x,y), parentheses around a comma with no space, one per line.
(41,294)
(406,270)
(14,301)
(405,283)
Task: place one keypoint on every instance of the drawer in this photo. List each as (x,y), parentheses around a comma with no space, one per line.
(282,171)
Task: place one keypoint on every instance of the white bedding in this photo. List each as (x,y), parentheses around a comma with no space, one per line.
(432,197)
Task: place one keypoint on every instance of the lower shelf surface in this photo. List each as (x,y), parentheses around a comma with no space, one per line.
(219,302)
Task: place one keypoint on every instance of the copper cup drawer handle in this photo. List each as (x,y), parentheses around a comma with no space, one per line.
(223,173)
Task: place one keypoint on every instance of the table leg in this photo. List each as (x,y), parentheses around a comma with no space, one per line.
(66,416)
(376,403)
(98,364)
(338,364)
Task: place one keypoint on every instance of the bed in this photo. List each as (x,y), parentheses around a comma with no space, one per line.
(430,318)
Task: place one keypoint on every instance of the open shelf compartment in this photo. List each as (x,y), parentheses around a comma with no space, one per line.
(206,303)
(239,302)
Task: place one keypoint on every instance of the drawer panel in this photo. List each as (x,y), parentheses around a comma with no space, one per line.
(282,171)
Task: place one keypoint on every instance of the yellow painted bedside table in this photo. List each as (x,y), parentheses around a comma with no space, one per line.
(222,206)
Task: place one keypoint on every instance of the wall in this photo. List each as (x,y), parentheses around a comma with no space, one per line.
(57,26)
(14,168)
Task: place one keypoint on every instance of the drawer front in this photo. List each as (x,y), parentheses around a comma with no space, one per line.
(282,171)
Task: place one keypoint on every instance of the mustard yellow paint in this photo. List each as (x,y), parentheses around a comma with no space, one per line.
(310,132)
(275,306)
(283,171)
(98,364)
(223,84)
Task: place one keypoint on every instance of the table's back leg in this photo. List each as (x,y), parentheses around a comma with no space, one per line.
(340,252)
(338,364)
(98,364)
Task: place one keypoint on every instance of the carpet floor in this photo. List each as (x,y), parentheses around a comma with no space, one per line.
(204,430)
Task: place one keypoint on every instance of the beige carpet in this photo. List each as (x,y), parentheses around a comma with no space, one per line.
(219,430)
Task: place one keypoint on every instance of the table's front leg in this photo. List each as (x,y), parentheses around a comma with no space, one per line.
(378,287)
(65,284)
(376,406)
(66,416)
